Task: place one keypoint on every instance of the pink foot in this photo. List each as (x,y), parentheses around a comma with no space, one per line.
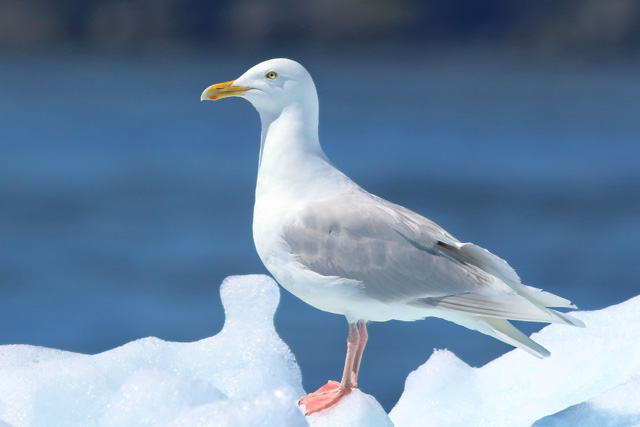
(327,395)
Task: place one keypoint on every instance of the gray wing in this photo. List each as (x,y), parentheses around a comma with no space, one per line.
(397,254)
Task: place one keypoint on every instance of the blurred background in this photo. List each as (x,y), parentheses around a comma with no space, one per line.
(124,201)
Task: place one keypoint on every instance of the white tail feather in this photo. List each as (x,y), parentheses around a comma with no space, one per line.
(503,330)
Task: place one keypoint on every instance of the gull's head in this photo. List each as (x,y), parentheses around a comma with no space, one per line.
(270,86)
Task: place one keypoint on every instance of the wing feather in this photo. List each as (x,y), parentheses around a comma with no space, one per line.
(402,257)
(500,306)
(394,252)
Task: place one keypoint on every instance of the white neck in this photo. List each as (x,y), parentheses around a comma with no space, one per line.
(291,159)
(292,130)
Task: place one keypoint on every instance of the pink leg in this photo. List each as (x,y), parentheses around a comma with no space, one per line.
(353,343)
(332,392)
(364,337)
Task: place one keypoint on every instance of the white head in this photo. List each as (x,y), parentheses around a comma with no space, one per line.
(270,86)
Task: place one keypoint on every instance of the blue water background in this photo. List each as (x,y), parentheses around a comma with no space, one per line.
(125,201)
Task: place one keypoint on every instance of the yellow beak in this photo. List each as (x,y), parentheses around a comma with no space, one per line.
(222,90)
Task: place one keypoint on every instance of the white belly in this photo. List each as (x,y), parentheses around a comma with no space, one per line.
(275,208)
(327,293)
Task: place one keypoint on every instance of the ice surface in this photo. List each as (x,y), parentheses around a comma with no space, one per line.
(355,410)
(243,375)
(597,365)
(618,407)
(246,376)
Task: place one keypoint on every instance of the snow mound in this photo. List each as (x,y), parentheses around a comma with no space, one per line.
(245,375)
(618,407)
(595,368)
(354,410)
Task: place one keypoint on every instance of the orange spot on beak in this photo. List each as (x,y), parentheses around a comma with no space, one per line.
(223,90)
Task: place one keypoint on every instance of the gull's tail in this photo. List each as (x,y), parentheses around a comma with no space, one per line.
(503,330)
(488,310)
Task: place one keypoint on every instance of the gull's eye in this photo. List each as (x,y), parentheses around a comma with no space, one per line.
(271,75)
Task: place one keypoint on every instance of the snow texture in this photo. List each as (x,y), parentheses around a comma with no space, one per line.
(592,371)
(246,376)
(355,410)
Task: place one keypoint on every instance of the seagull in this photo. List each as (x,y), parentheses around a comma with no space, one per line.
(343,250)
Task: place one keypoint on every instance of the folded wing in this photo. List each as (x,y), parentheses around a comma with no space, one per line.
(402,257)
